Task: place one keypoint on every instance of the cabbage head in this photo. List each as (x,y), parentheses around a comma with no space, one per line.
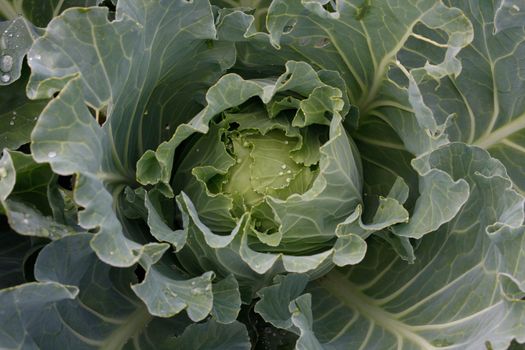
(262,174)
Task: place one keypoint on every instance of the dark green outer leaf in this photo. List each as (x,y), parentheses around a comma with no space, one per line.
(40,12)
(14,251)
(16,37)
(166,291)
(486,99)
(84,304)
(128,83)
(455,294)
(25,309)
(273,305)
(18,114)
(24,189)
(226,300)
(212,335)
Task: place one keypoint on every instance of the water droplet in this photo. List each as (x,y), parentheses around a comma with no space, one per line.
(239,161)
(197,150)
(289,172)
(321,42)
(38,57)
(5,78)
(14,114)
(288,179)
(6,63)
(12,122)
(286,142)
(167,127)
(146,112)
(281,173)
(26,221)
(289,26)
(111,252)
(3,172)
(52,154)
(196,291)
(246,144)
(257,266)
(516,8)
(208,287)
(192,283)
(283,166)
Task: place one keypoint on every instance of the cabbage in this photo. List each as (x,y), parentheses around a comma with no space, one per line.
(302,174)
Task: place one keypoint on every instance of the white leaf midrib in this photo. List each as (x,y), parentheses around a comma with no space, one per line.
(496,136)
(135,323)
(335,284)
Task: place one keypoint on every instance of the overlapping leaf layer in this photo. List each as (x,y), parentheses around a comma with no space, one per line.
(290,173)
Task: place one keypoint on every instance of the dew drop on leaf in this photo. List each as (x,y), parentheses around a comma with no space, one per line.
(322,42)
(5,78)
(289,26)
(6,63)
(53,155)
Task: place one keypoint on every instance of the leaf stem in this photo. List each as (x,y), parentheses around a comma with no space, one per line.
(135,323)
(58,7)
(7,10)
